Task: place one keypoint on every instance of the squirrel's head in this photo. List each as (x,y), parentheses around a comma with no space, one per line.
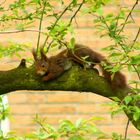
(42,63)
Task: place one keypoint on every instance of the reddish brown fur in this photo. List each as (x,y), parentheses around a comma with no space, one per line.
(49,68)
(55,64)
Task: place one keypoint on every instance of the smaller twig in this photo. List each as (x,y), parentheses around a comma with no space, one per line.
(77,57)
(134,41)
(128,16)
(126,129)
(132,18)
(76,22)
(49,45)
(117,22)
(138,74)
(17,18)
(74,15)
(78,9)
(18,31)
(40,25)
(43,127)
(102,18)
(57,21)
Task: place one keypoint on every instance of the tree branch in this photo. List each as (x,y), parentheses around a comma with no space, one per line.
(75,79)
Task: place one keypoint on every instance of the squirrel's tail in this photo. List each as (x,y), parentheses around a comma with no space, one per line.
(116,81)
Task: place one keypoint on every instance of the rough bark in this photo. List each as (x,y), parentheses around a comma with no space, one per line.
(76,79)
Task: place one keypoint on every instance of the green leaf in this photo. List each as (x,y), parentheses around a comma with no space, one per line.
(20,26)
(100,11)
(74,2)
(114,54)
(37,1)
(78,123)
(76,138)
(136,116)
(1,8)
(115,112)
(130,68)
(112,26)
(72,43)
(128,99)
(122,15)
(109,16)
(109,48)
(115,68)
(135,59)
(116,99)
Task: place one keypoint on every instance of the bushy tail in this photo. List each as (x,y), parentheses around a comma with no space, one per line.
(117,81)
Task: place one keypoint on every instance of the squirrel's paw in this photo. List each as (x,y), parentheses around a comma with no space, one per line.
(45,79)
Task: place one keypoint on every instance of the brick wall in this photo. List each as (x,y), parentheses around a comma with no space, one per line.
(58,105)
(65,105)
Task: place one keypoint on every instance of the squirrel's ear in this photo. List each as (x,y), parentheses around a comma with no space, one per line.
(34,54)
(43,55)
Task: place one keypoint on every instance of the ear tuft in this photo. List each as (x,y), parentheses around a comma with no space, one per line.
(34,54)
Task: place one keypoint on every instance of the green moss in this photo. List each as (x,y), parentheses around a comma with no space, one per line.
(76,79)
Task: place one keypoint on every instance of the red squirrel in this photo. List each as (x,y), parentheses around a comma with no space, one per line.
(52,67)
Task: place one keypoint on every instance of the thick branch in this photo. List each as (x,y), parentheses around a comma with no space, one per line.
(76,79)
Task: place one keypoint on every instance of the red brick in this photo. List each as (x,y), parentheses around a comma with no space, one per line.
(119,119)
(22,131)
(94,98)
(21,120)
(93,108)
(128,2)
(111,128)
(66,97)
(17,97)
(137,20)
(55,119)
(76,117)
(132,130)
(83,32)
(57,109)
(37,97)
(24,109)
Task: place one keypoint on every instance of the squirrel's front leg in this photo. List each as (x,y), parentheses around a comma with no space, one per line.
(48,77)
(53,75)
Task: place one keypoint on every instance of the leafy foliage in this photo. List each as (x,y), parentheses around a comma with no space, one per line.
(12,49)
